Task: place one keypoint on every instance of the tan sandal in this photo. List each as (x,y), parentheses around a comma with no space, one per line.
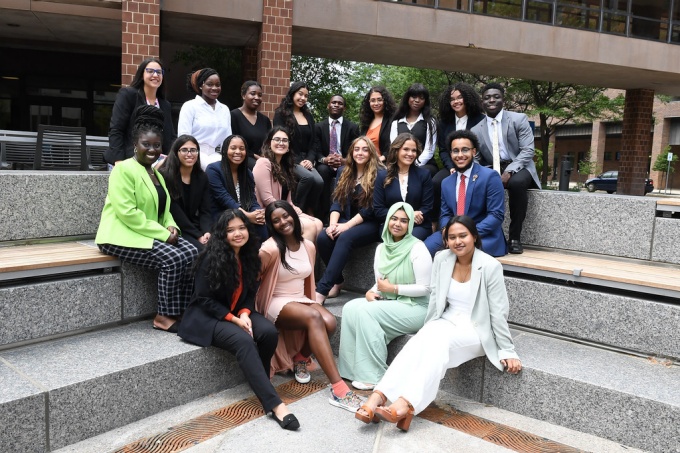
(370,416)
(389,414)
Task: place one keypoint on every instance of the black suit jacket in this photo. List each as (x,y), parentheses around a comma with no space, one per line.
(348,132)
(444,129)
(385,141)
(207,308)
(193,216)
(418,195)
(120,127)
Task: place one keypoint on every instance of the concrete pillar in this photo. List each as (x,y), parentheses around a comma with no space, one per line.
(598,141)
(636,141)
(141,35)
(249,63)
(662,130)
(274,52)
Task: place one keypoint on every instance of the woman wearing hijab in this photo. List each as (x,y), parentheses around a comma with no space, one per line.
(396,305)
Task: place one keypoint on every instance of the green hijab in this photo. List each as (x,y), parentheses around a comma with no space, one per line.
(394,262)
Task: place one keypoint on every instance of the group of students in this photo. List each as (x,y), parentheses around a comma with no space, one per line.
(222,282)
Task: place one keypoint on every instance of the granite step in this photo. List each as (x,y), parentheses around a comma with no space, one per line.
(624,398)
(60,392)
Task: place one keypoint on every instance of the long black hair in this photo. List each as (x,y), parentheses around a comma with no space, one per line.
(468,223)
(147,118)
(171,168)
(245,183)
(221,264)
(366,115)
(417,89)
(138,79)
(285,108)
(471,100)
(283,172)
(280,241)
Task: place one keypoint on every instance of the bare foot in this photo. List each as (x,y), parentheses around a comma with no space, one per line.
(399,407)
(281,411)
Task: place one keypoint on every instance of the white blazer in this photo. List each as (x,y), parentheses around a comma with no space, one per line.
(490,312)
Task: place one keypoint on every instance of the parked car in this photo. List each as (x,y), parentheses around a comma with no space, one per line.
(607,181)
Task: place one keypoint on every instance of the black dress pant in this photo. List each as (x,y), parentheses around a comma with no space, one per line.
(253,354)
(518,199)
(328,175)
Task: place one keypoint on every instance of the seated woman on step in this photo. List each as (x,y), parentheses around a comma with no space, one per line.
(466,318)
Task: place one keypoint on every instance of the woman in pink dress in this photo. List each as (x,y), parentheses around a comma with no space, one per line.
(286,298)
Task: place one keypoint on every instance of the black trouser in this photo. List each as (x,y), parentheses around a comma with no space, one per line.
(328,175)
(309,189)
(254,355)
(518,200)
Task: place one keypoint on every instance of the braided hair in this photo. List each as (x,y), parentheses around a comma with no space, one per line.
(147,118)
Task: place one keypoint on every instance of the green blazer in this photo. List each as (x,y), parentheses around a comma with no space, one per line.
(130,214)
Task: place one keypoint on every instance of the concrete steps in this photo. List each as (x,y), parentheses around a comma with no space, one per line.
(60,392)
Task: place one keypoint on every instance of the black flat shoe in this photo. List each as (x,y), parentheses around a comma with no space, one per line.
(174,327)
(289,422)
(516,247)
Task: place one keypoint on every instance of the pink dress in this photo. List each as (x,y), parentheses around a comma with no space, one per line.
(290,286)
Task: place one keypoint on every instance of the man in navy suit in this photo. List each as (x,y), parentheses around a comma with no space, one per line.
(506,144)
(484,197)
(333,137)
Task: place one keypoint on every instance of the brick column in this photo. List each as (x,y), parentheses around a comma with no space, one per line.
(662,130)
(249,63)
(636,141)
(274,52)
(141,35)
(598,141)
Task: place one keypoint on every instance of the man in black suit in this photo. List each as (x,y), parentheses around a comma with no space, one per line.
(333,137)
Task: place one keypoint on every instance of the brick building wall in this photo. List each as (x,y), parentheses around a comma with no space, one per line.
(274,52)
(141,35)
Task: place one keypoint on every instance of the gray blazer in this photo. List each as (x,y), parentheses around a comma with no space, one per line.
(518,139)
(490,312)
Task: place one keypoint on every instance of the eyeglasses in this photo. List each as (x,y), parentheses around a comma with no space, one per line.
(188,151)
(280,140)
(159,72)
(456,151)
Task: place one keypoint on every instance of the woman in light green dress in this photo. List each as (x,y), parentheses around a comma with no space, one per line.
(394,306)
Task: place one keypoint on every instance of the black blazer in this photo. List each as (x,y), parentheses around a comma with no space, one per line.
(348,132)
(419,194)
(385,141)
(193,216)
(301,150)
(207,308)
(120,127)
(445,129)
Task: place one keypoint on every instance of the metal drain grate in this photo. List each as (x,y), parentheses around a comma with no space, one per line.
(495,433)
(209,425)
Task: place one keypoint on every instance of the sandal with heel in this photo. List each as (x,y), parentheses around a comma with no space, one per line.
(370,416)
(390,415)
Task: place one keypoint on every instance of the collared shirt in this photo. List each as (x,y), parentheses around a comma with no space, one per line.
(430,141)
(209,126)
(501,139)
(338,128)
(461,123)
(467,174)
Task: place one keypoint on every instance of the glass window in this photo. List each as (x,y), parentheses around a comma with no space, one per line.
(537,11)
(652,9)
(5,113)
(40,114)
(71,116)
(502,8)
(588,19)
(614,23)
(648,29)
(615,5)
(460,5)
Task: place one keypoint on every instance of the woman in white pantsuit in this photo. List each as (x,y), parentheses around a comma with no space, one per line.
(466,318)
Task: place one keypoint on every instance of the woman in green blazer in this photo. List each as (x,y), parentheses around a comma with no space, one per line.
(137,227)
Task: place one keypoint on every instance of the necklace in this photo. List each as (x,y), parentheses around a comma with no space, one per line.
(466,276)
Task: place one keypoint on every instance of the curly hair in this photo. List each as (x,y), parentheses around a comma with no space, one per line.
(471,100)
(463,133)
(222,264)
(171,168)
(347,179)
(280,241)
(148,118)
(245,184)
(417,89)
(366,115)
(285,108)
(283,172)
(197,78)
(138,79)
(392,163)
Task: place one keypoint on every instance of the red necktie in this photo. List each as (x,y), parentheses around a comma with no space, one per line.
(460,208)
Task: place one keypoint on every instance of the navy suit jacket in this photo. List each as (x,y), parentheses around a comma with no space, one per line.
(419,194)
(519,143)
(484,202)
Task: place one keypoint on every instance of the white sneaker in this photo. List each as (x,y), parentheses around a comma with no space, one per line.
(350,402)
(362,386)
(301,373)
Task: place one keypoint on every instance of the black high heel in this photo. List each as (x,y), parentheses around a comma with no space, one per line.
(289,422)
